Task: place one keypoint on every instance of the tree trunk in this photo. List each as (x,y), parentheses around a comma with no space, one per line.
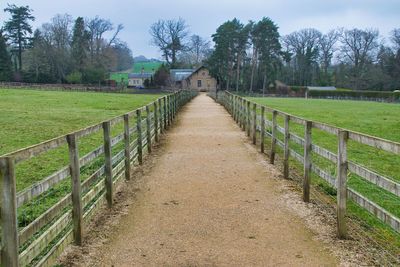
(238,73)
(264,82)
(255,52)
(20,55)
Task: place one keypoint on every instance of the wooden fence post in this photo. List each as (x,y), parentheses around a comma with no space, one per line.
(139,135)
(254,123)
(108,162)
(165,111)
(174,104)
(234,113)
(286,149)
(262,132)
(160,116)
(342,166)
(127,148)
(168,110)
(307,161)
(156,127)
(240,104)
(243,114)
(273,139)
(171,108)
(76,188)
(237,110)
(248,123)
(148,128)
(9,223)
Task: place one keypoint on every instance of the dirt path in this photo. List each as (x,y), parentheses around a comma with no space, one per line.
(209,201)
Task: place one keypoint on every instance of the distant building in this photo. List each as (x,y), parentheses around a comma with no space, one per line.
(193,79)
(137,79)
(321,88)
(178,77)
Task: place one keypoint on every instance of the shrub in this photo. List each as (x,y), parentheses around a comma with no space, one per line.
(74,77)
(383,95)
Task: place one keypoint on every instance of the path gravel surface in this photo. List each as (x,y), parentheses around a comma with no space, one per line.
(209,200)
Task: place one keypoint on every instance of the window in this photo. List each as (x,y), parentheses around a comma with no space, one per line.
(198,83)
(204,74)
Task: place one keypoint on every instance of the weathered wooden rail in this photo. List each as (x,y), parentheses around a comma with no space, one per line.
(251,117)
(41,241)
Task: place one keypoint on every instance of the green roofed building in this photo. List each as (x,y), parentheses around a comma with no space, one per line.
(146,67)
(119,77)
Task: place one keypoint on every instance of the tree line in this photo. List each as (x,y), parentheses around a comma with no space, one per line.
(64,50)
(253,56)
(179,48)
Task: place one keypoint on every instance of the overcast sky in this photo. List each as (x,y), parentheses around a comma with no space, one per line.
(205,16)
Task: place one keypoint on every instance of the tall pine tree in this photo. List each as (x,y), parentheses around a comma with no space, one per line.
(18,29)
(80,44)
(5,60)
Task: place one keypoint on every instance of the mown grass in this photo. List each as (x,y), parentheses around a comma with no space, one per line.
(377,119)
(29,117)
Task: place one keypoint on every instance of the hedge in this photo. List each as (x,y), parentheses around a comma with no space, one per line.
(373,95)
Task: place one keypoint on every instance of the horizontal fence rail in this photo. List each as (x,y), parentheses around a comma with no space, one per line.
(252,118)
(44,238)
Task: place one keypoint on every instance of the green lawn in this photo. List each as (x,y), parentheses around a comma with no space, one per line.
(29,117)
(377,119)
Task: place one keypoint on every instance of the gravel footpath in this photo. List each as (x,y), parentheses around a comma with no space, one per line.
(205,198)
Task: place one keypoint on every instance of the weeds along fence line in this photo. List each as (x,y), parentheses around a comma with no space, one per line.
(60,87)
(42,240)
(82,88)
(302,92)
(252,118)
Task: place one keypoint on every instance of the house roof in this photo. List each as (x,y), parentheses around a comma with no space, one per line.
(180,74)
(323,88)
(195,71)
(144,75)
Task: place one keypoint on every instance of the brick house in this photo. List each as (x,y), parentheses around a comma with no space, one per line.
(193,79)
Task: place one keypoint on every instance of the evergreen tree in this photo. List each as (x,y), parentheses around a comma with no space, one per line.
(80,44)
(5,60)
(161,76)
(270,50)
(18,29)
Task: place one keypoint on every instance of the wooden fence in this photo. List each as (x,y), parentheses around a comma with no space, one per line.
(252,118)
(42,240)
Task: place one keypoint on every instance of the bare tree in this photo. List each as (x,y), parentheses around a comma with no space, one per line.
(199,48)
(395,38)
(327,47)
(97,27)
(196,52)
(114,39)
(359,48)
(170,37)
(304,44)
(56,39)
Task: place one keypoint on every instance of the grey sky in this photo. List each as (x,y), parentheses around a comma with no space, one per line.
(205,16)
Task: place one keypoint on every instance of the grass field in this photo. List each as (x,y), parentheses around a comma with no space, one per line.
(146,66)
(29,117)
(377,119)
